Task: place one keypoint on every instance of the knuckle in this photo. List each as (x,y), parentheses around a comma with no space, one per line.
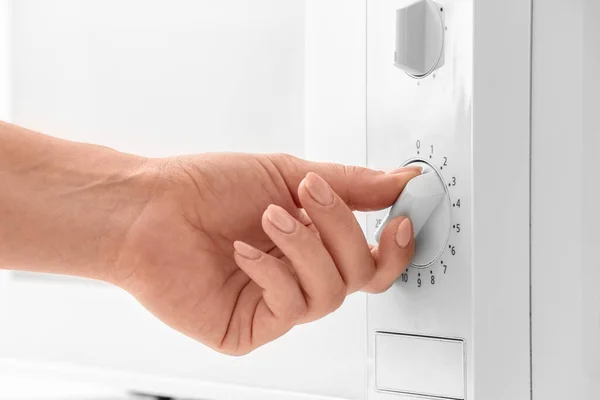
(282,160)
(378,287)
(337,298)
(355,173)
(349,171)
(297,309)
(280,156)
(235,353)
(363,277)
(352,175)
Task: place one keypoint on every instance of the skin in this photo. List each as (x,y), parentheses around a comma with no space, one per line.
(233,250)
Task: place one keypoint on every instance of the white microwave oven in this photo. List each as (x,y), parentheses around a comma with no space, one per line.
(500,98)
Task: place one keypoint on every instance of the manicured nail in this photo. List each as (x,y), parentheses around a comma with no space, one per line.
(404,170)
(319,190)
(247,251)
(404,233)
(281,219)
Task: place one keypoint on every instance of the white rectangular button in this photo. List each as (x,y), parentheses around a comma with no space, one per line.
(420,365)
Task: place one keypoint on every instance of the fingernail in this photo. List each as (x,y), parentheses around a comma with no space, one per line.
(247,251)
(403,170)
(281,219)
(319,190)
(404,233)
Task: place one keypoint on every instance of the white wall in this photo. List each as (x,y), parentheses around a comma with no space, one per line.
(162,77)
(5,82)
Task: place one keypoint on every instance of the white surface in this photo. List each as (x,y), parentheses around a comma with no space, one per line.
(426,202)
(5,75)
(590,323)
(35,387)
(429,119)
(565,266)
(475,113)
(500,235)
(420,366)
(157,78)
(123,382)
(162,78)
(419,38)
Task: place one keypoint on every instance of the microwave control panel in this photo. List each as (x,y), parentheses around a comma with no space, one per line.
(419,96)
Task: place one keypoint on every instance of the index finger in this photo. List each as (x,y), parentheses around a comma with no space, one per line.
(362,189)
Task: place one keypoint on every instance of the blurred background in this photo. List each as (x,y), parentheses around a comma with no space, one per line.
(145,76)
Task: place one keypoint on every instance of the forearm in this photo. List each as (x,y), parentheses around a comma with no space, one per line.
(65,207)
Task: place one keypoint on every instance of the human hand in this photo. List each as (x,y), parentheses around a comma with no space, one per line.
(165,230)
(299,250)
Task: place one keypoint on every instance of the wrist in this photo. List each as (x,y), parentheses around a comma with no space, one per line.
(65,207)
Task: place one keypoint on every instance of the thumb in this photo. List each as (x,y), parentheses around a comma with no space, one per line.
(361,188)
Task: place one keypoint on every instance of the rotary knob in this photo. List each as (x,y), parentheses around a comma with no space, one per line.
(425,200)
(420,30)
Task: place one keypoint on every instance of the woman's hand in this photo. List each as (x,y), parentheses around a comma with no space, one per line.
(230,249)
(234,250)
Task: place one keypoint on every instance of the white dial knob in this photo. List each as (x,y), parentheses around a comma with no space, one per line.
(420,38)
(425,200)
